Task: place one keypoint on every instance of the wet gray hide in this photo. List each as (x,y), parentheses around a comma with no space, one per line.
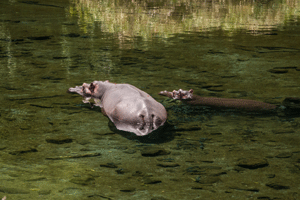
(128,107)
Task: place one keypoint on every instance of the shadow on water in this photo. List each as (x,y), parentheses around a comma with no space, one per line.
(163,134)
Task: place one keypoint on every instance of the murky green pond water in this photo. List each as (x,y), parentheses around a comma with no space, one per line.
(53,146)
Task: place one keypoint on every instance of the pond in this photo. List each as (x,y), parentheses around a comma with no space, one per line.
(54,146)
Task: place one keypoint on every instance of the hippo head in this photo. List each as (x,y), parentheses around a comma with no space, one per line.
(182,94)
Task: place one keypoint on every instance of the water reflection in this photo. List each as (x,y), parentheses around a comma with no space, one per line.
(163,18)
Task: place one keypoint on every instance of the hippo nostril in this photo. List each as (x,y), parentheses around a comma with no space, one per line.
(157,122)
(143,122)
(143,117)
(153,122)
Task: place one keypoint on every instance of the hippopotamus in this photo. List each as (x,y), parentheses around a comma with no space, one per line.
(188,97)
(128,107)
(289,107)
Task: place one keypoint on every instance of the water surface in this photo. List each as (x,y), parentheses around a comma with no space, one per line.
(53,146)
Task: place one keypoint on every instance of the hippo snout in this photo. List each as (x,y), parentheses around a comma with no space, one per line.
(148,123)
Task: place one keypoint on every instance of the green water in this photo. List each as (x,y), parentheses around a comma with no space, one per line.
(53,146)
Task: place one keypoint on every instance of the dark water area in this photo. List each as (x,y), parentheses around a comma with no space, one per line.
(53,146)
